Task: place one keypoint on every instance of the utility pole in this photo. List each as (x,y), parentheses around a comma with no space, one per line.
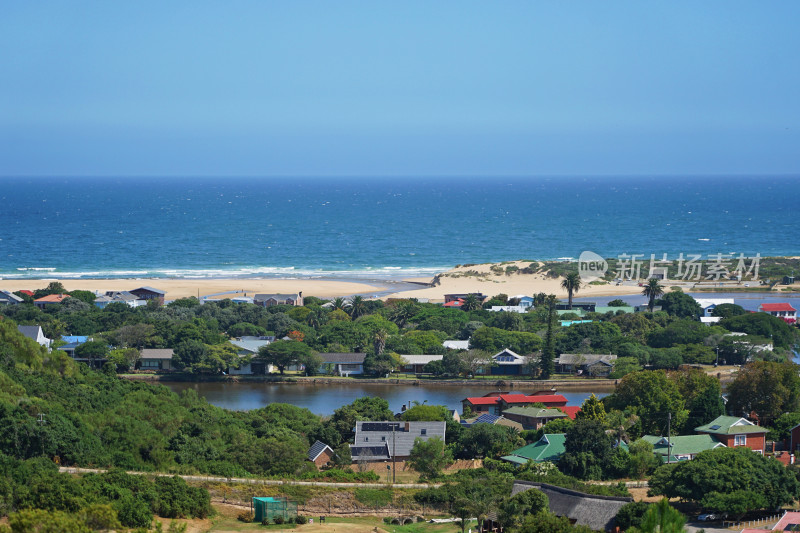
(394,450)
(669,444)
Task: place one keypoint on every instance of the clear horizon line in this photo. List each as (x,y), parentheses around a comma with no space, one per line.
(406,176)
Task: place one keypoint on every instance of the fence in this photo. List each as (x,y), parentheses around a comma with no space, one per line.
(760,522)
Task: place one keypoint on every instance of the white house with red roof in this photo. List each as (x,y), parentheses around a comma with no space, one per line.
(784,311)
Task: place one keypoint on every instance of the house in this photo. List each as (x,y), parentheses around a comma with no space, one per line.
(709,304)
(156,359)
(248,346)
(591,364)
(549,448)
(794,439)
(568,323)
(268,300)
(50,299)
(523,301)
(603,309)
(9,298)
(415,364)
(596,512)
(320,454)
(533,417)
(580,312)
(588,307)
(497,402)
(125,297)
(509,308)
(684,447)
(507,363)
(343,364)
(35,333)
(382,441)
(486,418)
(456,345)
(548,400)
(149,293)
(72,344)
(733,431)
(455,297)
(784,311)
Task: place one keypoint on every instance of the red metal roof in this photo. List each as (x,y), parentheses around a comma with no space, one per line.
(518,398)
(483,400)
(776,307)
(570,410)
(26,291)
(539,398)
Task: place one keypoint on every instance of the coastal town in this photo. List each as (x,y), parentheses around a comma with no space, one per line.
(679,380)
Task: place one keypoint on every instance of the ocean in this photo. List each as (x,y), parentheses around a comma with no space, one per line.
(376,228)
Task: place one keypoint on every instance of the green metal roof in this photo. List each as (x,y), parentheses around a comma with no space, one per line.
(548,448)
(606,309)
(730,425)
(682,444)
(535,412)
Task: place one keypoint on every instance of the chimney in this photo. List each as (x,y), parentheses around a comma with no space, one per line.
(408,426)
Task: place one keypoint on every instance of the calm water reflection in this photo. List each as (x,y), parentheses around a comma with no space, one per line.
(324,399)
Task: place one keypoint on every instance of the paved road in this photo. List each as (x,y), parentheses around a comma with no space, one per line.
(256,481)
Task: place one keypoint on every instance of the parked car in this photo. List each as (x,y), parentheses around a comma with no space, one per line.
(708,517)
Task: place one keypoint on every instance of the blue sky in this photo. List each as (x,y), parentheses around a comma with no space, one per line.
(399,88)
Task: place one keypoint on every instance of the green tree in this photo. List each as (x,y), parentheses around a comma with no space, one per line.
(487,440)
(592,409)
(92,350)
(763,325)
(430,457)
(661,517)
(572,284)
(702,394)
(728,310)
(768,389)
(546,522)
(630,515)
(357,306)
(650,395)
(587,450)
(513,510)
(547,360)
(725,471)
(282,353)
(679,304)
(471,302)
(642,459)
(652,290)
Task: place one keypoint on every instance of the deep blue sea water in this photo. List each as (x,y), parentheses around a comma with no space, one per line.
(348,227)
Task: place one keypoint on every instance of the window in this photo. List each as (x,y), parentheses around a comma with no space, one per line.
(423,431)
(383,439)
(740,440)
(366,439)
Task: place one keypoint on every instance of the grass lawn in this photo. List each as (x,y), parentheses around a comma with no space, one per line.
(229,524)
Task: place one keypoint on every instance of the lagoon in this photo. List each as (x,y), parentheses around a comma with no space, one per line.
(323,399)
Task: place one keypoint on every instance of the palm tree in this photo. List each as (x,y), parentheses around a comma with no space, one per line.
(338,303)
(357,306)
(379,341)
(539,299)
(652,290)
(571,284)
(471,303)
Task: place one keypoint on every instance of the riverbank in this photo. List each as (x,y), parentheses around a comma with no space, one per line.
(583,385)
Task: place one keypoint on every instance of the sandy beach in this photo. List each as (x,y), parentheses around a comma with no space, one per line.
(475,278)
(464,279)
(184,288)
